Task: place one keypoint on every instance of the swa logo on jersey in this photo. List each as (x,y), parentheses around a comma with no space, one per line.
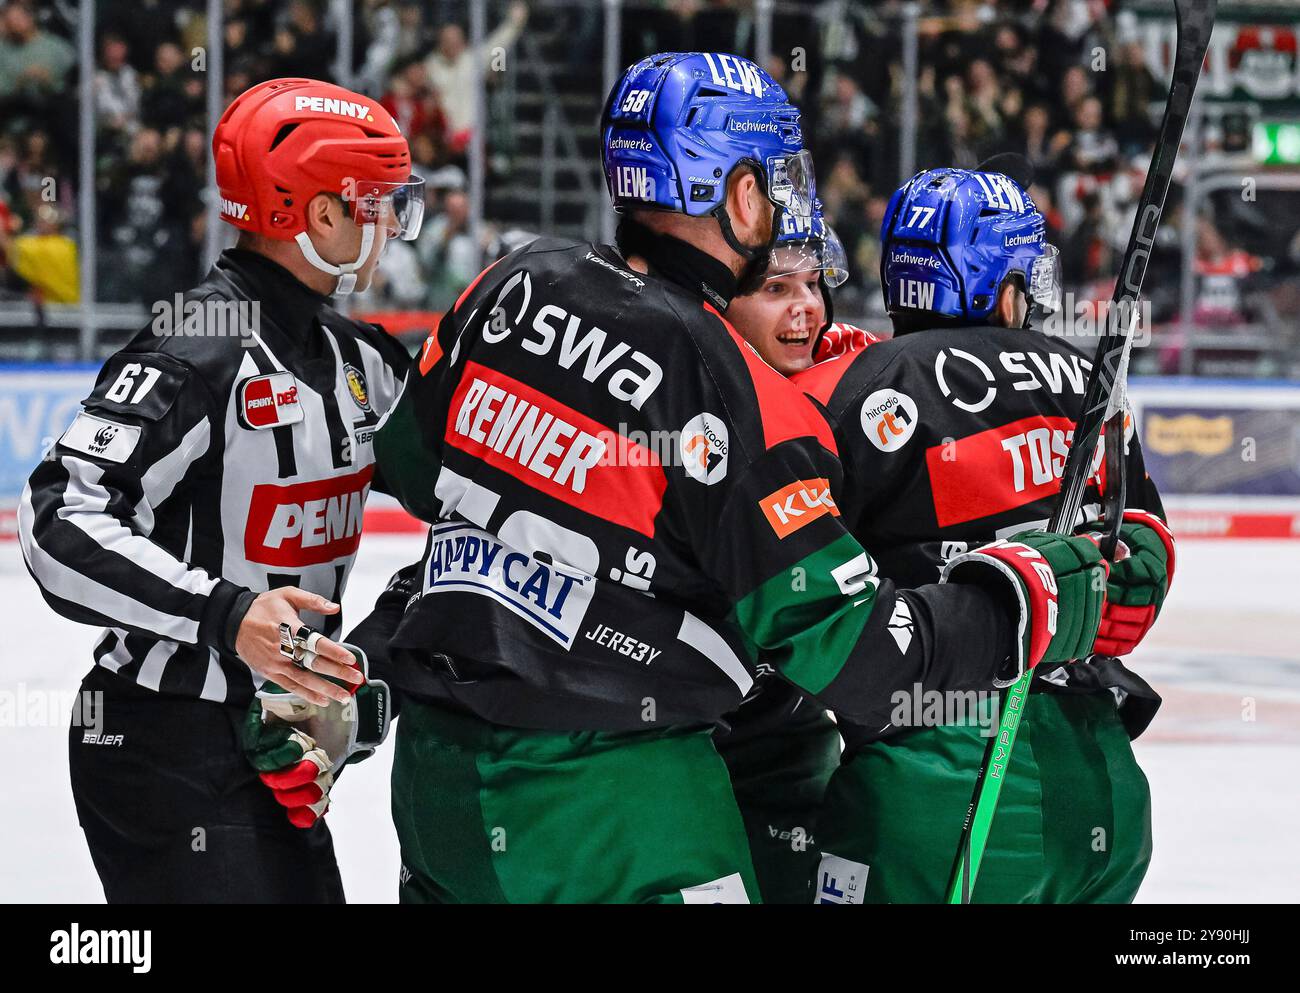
(889,419)
(735,73)
(306,523)
(704,445)
(799,503)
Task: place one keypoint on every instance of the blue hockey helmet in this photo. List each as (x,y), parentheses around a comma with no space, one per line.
(676,124)
(809,244)
(951,236)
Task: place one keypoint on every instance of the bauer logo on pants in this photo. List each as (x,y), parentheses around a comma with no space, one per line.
(889,419)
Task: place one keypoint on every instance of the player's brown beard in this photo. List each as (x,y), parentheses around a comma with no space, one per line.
(754,271)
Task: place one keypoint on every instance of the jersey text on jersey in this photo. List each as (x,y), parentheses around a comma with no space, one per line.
(1000,469)
(555,449)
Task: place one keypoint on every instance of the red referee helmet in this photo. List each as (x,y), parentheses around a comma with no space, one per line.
(282,142)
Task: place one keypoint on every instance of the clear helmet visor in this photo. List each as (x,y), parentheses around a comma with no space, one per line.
(820,251)
(1045,280)
(397,206)
(791,183)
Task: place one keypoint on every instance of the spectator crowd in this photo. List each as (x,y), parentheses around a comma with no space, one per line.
(1064,82)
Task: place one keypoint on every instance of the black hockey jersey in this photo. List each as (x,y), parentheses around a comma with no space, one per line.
(223,452)
(628,506)
(952,437)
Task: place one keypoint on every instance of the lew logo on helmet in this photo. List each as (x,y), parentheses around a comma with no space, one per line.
(889,419)
(633,182)
(916,294)
(329,105)
(239,211)
(1000,192)
(735,73)
(704,445)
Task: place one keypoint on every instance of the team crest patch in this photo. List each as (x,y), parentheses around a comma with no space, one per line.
(357,386)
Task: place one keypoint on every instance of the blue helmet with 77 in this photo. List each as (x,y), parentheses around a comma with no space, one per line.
(952,238)
(678,124)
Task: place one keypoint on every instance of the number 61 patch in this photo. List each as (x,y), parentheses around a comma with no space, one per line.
(141,385)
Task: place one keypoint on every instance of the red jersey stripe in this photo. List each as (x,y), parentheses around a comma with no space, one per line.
(785,412)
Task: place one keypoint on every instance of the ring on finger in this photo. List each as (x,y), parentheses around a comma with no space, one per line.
(288,644)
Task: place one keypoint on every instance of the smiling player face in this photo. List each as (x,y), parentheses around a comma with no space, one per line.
(781,318)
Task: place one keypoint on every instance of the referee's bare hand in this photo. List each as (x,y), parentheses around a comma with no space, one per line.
(258,644)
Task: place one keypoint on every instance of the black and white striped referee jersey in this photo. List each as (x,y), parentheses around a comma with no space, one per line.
(218,456)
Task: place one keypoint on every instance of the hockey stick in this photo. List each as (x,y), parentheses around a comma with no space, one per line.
(1104,403)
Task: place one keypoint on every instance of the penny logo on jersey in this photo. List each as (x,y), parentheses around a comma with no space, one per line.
(888,419)
(704,446)
(269,401)
(302,524)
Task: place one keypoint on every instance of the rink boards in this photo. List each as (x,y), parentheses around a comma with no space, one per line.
(1225,453)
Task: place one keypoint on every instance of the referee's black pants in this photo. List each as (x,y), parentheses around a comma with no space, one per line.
(173,812)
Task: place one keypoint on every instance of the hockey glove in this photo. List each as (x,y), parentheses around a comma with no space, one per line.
(1058,585)
(299,748)
(1138,583)
(841,339)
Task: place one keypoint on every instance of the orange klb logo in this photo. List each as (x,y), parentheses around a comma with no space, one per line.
(800,503)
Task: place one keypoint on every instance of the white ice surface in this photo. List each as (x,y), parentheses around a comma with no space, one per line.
(1223,757)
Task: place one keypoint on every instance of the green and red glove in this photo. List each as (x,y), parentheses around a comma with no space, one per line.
(299,749)
(1138,584)
(1058,587)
